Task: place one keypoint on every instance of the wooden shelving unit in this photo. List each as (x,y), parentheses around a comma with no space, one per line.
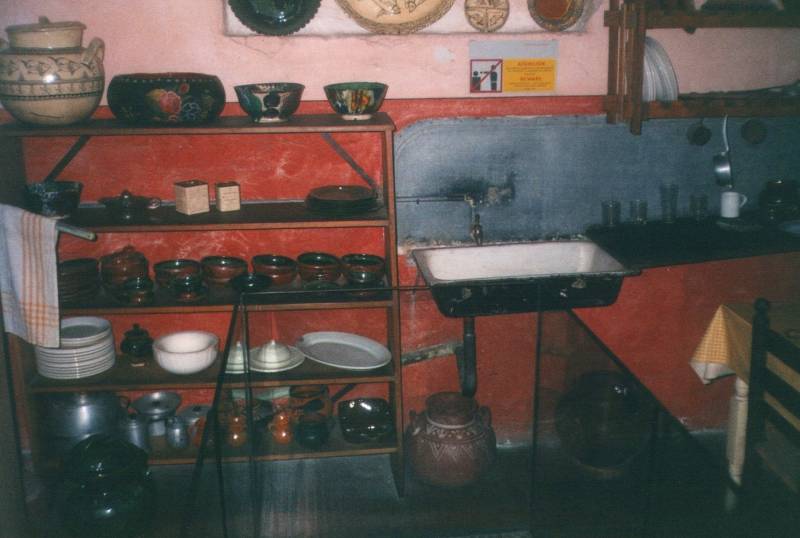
(260,215)
(628,22)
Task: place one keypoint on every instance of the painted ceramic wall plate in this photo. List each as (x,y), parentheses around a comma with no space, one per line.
(395,16)
(486,15)
(274,17)
(556,15)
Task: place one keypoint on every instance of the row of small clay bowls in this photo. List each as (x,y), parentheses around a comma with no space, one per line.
(125,274)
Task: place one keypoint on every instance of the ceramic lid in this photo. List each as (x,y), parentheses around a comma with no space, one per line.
(103,456)
(451,408)
(44,25)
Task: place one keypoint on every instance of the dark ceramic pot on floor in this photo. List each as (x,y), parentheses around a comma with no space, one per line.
(107,491)
(452,442)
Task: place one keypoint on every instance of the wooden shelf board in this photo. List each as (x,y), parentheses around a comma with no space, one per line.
(699,106)
(700,19)
(223,299)
(696,105)
(297,124)
(266,450)
(718,19)
(124,377)
(252,216)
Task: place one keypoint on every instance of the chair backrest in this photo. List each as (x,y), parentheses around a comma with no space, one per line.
(773,420)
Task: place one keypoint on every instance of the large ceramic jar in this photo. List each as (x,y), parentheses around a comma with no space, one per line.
(452,442)
(107,490)
(47,77)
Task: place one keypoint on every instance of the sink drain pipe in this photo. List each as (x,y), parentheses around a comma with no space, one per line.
(467,370)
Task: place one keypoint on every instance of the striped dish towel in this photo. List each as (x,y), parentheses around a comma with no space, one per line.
(28,276)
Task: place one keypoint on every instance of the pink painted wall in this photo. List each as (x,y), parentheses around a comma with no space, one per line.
(187,35)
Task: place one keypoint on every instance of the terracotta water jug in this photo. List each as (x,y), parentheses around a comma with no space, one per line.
(452,442)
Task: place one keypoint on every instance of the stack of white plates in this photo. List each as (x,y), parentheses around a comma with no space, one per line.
(659,81)
(87,348)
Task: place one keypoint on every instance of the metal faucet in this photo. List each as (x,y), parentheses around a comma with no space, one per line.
(476,232)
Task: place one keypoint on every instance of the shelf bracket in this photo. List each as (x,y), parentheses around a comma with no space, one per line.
(341,152)
(67,158)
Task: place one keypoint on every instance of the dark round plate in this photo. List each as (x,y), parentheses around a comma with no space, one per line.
(274,17)
(556,15)
(341,199)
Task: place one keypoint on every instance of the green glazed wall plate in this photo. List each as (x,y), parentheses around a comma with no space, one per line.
(274,17)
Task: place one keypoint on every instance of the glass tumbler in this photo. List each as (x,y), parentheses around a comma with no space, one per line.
(638,211)
(611,212)
(669,201)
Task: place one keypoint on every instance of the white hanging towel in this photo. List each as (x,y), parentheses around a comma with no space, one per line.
(28,276)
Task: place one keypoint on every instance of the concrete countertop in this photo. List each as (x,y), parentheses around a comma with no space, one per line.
(658,244)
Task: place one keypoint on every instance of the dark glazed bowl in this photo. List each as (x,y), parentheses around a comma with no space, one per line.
(124,264)
(281,269)
(167,270)
(250,282)
(188,288)
(363,420)
(311,430)
(318,266)
(53,198)
(269,102)
(174,98)
(137,291)
(220,270)
(356,100)
(363,269)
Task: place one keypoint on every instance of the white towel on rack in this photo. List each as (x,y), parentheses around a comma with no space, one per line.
(28,276)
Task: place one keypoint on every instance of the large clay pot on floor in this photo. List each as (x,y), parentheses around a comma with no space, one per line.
(452,442)
(47,77)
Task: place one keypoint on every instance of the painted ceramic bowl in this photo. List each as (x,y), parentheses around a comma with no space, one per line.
(53,198)
(270,101)
(356,100)
(172,98)
(318,266)
(281,269)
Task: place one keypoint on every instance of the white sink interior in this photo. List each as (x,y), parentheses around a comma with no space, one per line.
(444,265)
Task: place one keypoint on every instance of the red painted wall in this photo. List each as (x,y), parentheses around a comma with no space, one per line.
(654,326)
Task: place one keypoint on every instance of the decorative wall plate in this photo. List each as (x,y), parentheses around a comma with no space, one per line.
(556,15)
(274,17)
(486,15)
(395,16)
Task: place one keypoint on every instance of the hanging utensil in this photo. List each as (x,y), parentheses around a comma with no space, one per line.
(722,161)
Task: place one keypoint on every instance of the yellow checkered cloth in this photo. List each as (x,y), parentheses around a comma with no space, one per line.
(725,347)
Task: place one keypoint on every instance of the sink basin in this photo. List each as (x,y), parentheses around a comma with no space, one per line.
(520,277)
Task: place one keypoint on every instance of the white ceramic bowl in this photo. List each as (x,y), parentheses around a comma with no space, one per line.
(185,352)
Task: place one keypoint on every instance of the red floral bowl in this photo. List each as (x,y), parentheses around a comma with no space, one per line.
(171,98)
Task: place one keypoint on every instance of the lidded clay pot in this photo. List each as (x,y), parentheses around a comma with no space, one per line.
(452,442)
(47,77)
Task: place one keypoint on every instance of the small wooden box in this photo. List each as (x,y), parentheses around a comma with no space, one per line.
(228,196)
(191,197)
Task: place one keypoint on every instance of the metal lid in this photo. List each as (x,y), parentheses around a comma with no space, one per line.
(104,456)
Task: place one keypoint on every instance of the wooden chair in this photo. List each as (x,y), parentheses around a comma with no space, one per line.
(773,421)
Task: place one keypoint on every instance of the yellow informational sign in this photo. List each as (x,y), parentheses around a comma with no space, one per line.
(521,67)
(529,74)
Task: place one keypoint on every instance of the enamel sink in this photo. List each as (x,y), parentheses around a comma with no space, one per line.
(520,277)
